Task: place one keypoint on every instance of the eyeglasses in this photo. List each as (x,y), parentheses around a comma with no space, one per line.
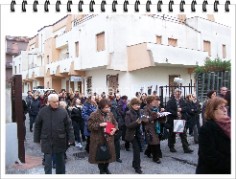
(222,108)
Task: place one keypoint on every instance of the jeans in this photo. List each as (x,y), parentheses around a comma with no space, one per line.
(136,154)
(60,163)
(32,120)
(117,144)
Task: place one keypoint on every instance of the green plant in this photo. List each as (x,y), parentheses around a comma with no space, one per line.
(214,66)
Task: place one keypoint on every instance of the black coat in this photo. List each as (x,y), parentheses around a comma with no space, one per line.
(132,127)
(214,150)
(53,128)
(172,108)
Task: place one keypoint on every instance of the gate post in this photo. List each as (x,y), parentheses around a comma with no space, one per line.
(17,114)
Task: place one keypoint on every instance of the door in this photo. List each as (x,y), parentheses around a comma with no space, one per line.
(112,83)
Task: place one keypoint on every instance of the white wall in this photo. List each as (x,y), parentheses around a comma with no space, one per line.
(216,33)
(131,82)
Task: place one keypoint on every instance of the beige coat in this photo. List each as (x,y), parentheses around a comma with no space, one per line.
(97,136)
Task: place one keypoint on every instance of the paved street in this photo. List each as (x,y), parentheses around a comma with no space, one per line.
(77,162)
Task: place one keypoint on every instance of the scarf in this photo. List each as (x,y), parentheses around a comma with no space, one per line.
(225,125)
(157,125)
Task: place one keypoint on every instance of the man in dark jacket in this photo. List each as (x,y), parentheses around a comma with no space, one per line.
(54,131)
(33,110)
(177,107)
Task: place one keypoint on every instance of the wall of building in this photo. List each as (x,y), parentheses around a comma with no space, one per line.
(216,33)
(131,82)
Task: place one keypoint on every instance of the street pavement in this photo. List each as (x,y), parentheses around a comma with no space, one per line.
(77,162)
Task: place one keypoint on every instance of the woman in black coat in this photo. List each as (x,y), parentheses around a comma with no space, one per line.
(133,132)
(214,139)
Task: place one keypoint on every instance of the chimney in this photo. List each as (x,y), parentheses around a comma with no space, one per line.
(182,18)
(211,17)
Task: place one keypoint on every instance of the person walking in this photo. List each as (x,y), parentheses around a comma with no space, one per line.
(177,107)
(97,123)
(33,110)
(214,154)
(120,122)
(152,128)
(53,130)
(122,108)
(134,133)
(77,121)
(90,106)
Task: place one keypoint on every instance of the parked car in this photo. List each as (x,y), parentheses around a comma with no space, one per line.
(43,91)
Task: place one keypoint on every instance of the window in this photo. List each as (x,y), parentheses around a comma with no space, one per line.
(207,47)
(159,39)
(224,51)
(89,85)
(19,68)
(15,70)
(76,49)
(172,42)
(100,42)
(47,59)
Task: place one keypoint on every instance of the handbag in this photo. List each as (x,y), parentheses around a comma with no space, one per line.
(103,153)
(164,133)
(179,125)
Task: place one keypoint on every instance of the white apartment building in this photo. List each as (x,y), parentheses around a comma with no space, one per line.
(130,53)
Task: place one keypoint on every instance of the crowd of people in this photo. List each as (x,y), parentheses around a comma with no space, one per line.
(65,119)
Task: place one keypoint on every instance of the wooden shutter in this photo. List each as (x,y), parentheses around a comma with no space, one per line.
(159,39)
(172,42)
(101,42)
(207,47)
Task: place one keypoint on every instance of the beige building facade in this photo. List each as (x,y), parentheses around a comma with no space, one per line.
(129,53)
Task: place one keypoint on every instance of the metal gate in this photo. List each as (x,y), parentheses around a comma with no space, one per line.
(166,92)
(211,81)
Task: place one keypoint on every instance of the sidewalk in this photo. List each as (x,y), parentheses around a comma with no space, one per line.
(77,162)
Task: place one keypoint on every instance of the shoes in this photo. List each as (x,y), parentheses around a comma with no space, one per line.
(138,170)
(119,160)
(188,151)
(147,154)
(157,161)
(108,171)
(172,150)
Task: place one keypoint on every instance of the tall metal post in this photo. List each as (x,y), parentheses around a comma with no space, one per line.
(17,114)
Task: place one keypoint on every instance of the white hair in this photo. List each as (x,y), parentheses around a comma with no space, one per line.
(62,104)
(53,96)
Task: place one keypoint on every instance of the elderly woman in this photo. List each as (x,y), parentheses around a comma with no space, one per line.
(153,128)
(97,123)
(133,133)
(215,139)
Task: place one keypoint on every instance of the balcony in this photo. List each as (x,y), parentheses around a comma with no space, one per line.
(62,40)
(38,72)
(91,60)
(176,56)
(60,67)
(150,54)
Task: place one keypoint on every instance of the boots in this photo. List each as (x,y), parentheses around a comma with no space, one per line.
(106,168)
(103,167)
